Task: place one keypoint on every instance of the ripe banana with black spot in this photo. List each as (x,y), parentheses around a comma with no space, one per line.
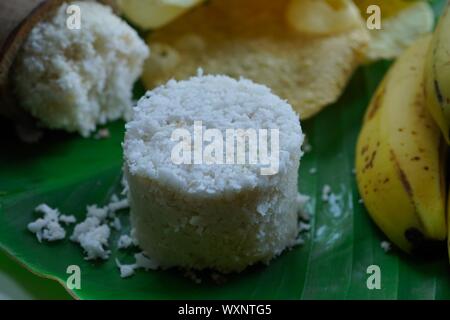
(400,157)
(437,75)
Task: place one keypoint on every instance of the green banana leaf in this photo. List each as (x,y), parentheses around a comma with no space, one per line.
(68,172)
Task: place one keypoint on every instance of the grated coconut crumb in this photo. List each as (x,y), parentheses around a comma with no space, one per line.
(125,242)
(48,227)
(142,262)
(386,246)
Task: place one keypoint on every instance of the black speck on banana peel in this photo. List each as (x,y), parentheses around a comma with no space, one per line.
(422,247)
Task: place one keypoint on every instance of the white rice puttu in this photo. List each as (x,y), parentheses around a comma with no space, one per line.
(76,79)
(211,216)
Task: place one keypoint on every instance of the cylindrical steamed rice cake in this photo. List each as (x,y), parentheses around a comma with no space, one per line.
(219,216)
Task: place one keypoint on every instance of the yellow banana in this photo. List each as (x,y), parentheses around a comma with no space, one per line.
(437,75)
(400,158)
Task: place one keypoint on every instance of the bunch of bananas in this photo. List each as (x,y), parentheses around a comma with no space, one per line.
(402,147)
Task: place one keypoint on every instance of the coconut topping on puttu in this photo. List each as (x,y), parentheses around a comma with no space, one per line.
(217,102)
